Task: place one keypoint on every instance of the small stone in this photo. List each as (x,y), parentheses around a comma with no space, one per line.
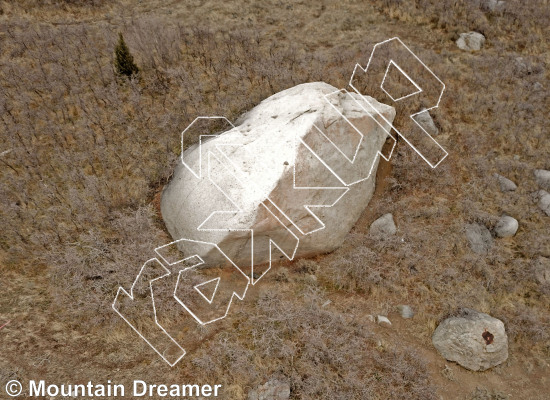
(472,339)
(405,311)
(370,318)
(542,177)
(506,185)
(542,270)
(537,86)
(381,320)
(470,41)
(326,303)
(383,226)
(506,227)
(426,121)
(544,201)
(275,389)
(494,5)
(479,237)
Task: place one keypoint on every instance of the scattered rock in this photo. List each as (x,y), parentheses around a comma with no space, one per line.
(275,389)
(370,318)
(506,185)
(537,86)
(479,237)
(542,270)
(542,177)
(405,311)
(383,226)
(258,147)
(381,320)
(474,340)
(470,41)
(543,201)
(506,227)
(425,119)
(494,5)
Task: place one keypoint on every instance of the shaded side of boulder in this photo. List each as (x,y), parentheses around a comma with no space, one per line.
(472,339)
(479,237)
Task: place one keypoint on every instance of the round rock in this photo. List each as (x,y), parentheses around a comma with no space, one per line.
(473,339)
(506,227)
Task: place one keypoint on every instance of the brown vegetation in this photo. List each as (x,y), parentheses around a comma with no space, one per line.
(83,154)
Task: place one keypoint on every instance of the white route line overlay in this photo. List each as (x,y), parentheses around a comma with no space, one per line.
(358,67)
(235,172)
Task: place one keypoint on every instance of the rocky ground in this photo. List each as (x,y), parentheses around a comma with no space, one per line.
(84,155)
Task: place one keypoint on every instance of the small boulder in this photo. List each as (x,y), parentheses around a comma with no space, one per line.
(543,201)
(474,340)
(506,226)
(383,226)
(479,237)
(542,270)
(494,5)
(274,389)
(405,311)
(470,41)
(381,320)
(542,177)
(506,185)
(426,121)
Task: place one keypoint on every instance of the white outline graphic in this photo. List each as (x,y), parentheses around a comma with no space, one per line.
(218,220)
(364,70)
(418,88)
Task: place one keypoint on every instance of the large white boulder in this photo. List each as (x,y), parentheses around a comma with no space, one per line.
(249,178)
(473,339)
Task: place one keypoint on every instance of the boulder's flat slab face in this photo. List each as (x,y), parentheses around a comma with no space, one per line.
(253,186)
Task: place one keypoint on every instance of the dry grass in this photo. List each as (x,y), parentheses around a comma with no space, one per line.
(88,152)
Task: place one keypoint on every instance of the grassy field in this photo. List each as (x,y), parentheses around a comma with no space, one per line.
(85,153)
